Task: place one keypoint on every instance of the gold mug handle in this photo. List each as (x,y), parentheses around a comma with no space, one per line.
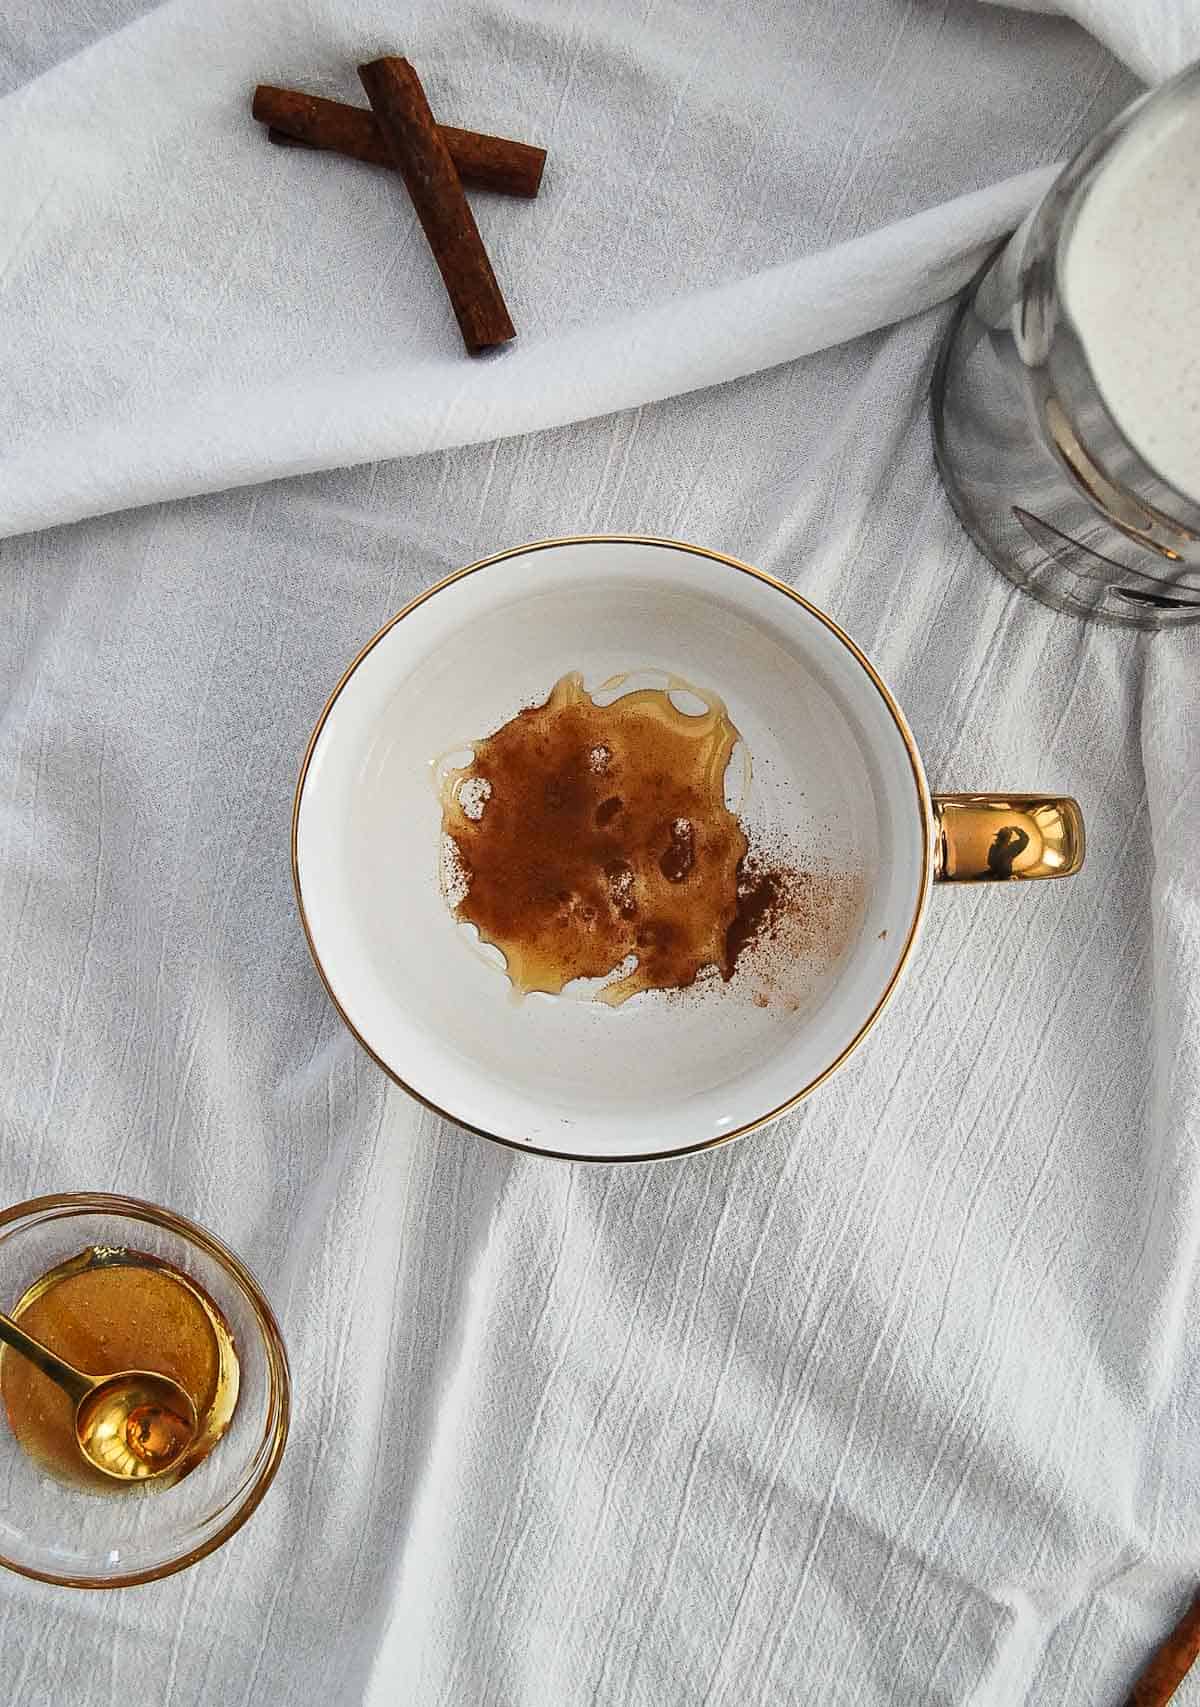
(1002,838)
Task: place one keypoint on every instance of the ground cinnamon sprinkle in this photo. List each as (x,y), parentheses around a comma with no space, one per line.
(760,895)
(790,922)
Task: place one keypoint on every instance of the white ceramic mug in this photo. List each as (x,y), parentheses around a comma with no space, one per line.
(836,774)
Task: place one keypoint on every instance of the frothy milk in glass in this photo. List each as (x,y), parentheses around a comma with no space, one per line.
(1129,272)
(1065,401)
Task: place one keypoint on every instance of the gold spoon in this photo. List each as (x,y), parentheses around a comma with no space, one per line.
(132,1426)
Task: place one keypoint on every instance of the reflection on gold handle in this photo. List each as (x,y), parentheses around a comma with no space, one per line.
(996,838)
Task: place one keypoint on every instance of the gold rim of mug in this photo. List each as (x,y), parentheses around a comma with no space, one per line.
(924,807)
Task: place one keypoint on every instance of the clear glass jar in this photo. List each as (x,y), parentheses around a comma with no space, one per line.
(1044,479)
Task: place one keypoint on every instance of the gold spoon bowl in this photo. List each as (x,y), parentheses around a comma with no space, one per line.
(135,1425)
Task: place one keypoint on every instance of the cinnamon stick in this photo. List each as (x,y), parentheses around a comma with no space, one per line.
(483,162)
(1171,1664)
(423,161)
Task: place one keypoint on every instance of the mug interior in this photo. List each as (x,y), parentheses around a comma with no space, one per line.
(835,786)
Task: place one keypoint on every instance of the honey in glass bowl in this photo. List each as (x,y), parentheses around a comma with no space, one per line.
(112,1308)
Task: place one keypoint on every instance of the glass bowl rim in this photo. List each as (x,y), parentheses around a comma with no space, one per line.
(278,1373)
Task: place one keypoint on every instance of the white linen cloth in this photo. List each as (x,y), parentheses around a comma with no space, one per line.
(895,1402)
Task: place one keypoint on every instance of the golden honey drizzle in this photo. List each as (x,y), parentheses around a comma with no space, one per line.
(584,836)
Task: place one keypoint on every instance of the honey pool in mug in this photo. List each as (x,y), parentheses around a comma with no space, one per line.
(674,862)
(594,844)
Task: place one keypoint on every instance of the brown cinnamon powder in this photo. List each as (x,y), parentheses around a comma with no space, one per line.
(790,924)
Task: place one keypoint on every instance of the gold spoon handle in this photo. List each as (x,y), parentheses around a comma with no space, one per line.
(64,1375)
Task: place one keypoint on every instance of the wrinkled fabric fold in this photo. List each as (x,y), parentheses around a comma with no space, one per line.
(315,422)
(188,309)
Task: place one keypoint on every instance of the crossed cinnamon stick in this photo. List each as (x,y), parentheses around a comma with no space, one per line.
(1170,1663)
(435,161)
(296,120)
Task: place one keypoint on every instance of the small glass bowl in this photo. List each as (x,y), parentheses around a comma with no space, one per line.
(82,1539)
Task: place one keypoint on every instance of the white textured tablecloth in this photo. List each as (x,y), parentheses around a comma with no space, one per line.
(896,1402)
